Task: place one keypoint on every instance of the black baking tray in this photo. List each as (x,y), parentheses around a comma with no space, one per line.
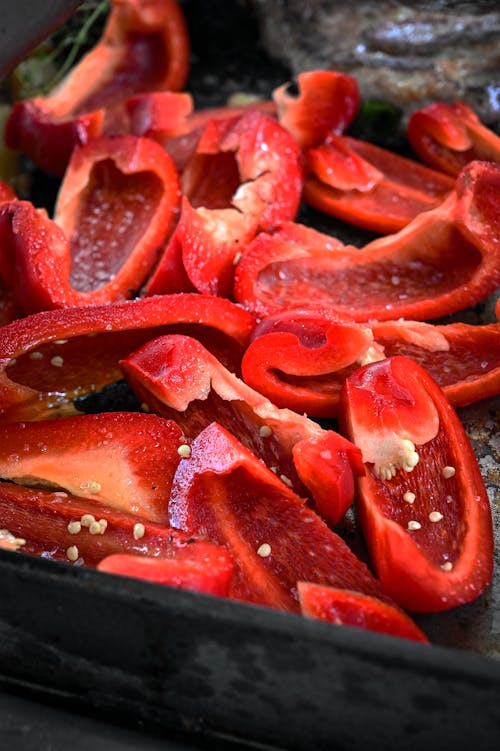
(225,674)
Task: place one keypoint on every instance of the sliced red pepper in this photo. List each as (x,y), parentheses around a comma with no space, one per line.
(208,569)
(346,608)
(422,504)
(244,176)
(327,102)
(115,209)
(64,527)
(125,460)
(443,261)
(299,358)
(144,47)
(179,379)
(449,136)
(276,540)
(50,358)
(369,186)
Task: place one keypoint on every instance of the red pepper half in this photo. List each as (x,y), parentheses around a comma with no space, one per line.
(115,208)
(443,261)
(449,136)
(71,528)
(346,608)
(144,47)
(299,358)
(50,358)
(369,186)
(125,460)
(226,492)
(245,176)
(180,380)
(327,102)
(203,567)
(422,504)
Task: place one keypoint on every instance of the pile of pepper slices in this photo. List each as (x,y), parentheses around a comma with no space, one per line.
(174,260)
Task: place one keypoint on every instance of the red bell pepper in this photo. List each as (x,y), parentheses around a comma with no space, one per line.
(180,380)
(346,608)
(245,176)
(144,47)
(115,208)
(444,260)
(125,460)
(422,504)
(369,186)
(299,358)
(49,358)
(70,528)
(449,136)
(226,492)
(203,567)
(327,102)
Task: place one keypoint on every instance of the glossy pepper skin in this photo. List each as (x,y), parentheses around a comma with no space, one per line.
(299,358)
(244,176)
(144,47)
(449,136)
(422,504)
(125,460)
(326,102)
(181,380)
(346,608)
(115,208)
(369,186)
(48,359)
(443,261)
(226,492)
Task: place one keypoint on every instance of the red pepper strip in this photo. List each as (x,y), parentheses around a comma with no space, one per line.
(299,358)
(169,119)
(327,103)
(449,136)
(276,540)
(245,176)
(422,504)
(179,379)
(463,359)
(144,47)
(370,187)
(126,460)
(209,569)
(346,608)
(6,192)
(51,523)
(445,260)
(50,358)
(115,208)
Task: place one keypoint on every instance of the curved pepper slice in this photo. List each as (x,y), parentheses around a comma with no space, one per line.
(299,358)
(50,358)
(369,186)
(346,608)
(327,102)
(115,208)
(245,176)
(449,136)
(180,380)
(204,567)
(422,505)
(144,47)
(59,526)
(226,492)
(126,460)
(444,260)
